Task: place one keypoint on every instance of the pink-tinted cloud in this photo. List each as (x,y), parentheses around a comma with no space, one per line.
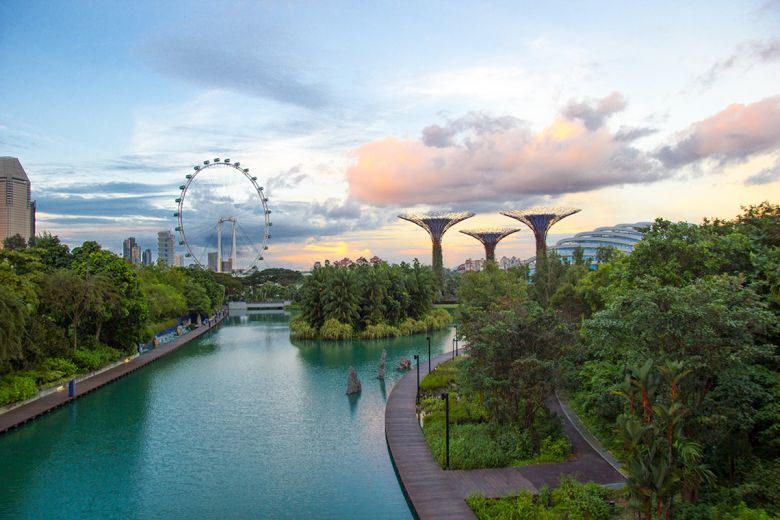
(732,134)
(501,161)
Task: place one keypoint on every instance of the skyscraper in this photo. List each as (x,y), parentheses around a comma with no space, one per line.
(127,248)
(165,247)
(147,257)
(17,211)
(135,255)
(212,261)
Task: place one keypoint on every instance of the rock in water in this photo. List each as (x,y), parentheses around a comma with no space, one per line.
(353,383)
(381,374)
(405,364)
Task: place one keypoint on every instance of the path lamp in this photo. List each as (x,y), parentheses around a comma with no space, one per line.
(453,348)
(429,353)
(417,359)
(446,397)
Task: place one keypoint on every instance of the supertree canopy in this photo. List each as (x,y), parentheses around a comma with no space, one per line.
(436,223)
(490,237)
(540,219)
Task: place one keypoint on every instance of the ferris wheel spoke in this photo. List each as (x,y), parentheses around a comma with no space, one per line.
(217,200)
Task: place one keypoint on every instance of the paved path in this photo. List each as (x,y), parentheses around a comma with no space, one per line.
(435,493)
(27,412)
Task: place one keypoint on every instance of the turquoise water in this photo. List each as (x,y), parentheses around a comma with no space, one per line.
(240,423)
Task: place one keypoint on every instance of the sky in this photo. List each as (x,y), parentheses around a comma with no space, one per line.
(350,113)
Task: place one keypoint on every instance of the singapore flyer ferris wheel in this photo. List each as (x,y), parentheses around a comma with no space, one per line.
(223,217)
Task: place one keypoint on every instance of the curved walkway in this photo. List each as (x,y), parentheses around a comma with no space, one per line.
(435,493)
(29,411)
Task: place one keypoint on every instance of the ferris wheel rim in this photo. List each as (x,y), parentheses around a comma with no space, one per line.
(258,189)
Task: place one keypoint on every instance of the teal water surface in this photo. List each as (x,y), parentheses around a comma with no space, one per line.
(240,423)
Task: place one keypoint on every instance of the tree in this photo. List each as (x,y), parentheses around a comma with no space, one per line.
(53,253)
(12,326)
(72,296)
(340,300)
(15,243)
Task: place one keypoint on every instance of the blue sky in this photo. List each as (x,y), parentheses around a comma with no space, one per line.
(352,112)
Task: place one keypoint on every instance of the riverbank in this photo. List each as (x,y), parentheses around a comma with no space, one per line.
(28,411)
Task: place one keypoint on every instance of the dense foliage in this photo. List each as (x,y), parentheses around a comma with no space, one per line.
(272,284)
(670,354)
(371,301)
(66,313)
(477,438)
(571,500)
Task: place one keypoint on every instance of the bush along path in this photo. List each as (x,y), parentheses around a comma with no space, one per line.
(436,493)
(37,407)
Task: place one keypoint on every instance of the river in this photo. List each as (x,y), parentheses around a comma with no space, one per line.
(240,423)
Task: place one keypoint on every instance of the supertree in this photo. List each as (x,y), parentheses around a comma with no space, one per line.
(490,237)
(540,219)
(436,223)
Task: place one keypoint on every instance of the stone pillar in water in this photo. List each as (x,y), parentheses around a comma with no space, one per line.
(381,374)
(353,383)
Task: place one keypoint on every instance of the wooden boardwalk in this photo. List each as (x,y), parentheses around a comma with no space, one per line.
(27,412)
(434,493)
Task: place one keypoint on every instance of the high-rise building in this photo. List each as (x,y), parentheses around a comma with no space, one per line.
(17,211)
(127,248)
(136,255)
(178,260)
(165,247)
(146,258)
(212,261)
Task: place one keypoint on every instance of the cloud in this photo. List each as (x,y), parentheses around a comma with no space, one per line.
(630,134)
(333,209)
(765,176)
(509,162)
(594,113)
(745,55)
(231,60)
(478,123)
(287,179)
(732,134)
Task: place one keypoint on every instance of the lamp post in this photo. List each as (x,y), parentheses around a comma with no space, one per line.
(453,348)
(417,359)
(456,340)
(446,397)
(429,353)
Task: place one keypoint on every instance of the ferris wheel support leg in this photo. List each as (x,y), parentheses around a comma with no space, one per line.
(219,245)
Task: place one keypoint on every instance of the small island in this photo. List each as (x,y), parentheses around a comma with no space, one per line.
(368,301)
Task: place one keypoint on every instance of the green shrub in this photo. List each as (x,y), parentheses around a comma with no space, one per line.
(334,329)
(411,326)
(90,360)
(16,388)
(437,319)
(380,330)
(555,449)
(442,377)
(66,366)
(515,442)
(471,445)
(576,501)
(570,501)
(300,329)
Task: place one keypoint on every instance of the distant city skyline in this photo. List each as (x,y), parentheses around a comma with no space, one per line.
(351,114)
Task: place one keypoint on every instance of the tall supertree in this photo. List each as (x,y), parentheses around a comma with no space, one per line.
(490,237)
(540,219)
(436,223)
